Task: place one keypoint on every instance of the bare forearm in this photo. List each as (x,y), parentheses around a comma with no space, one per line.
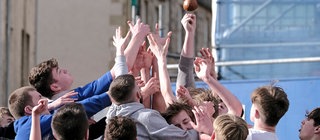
(132,50)
(232,102)
(35,133)
(165,86)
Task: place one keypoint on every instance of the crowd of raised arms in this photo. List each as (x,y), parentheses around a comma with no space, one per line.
(141,103)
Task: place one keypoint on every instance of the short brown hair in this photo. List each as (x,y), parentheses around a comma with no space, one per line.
(19,99)
(315,115)
(120,128)
(4,111)
(202,94)
(70,122)
(121,89)
(175,108)
(41,78)
(230,127)
(272,102)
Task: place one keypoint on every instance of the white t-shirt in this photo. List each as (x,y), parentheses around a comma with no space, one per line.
(261,135)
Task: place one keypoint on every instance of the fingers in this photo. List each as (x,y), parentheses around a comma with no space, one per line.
(169,34)
(166,46)
(130,24)
(156,29)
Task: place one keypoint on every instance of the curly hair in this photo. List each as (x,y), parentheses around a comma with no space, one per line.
(41,78)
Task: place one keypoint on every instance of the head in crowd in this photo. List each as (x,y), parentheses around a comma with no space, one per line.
(124,89)
(223,109)
(180,115)
(70,122)
(5,117)
(310,126)
(49,79)
(22,100)
(230,127)
(269,104)
(205,98)
(121,128)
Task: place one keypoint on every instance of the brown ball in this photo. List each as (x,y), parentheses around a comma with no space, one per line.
(190,5)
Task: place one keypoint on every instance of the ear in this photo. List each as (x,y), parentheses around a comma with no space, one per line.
(317,130)
(28,110)
(55,87)
(256,113)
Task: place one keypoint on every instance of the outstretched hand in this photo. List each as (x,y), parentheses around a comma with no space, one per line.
(203,122)
(119,42)
(158,49)
(65,99)
(139,29)
(189,22)
(207,55)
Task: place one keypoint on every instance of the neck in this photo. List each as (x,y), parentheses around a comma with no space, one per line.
(262,126)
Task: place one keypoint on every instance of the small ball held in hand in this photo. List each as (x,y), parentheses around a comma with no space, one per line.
(190,5)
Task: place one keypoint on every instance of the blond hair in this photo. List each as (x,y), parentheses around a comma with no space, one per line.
(230,127)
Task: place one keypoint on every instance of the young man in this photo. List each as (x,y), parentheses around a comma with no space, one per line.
(150,124)
(269,104)
(310,126)
(229,127)
(24,99)
(121,128)
(70,123)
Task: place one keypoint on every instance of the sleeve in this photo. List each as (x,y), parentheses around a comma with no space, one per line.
(96,103)
(159,129)
(45,124)
(120,66)
(185,72)
(96,87)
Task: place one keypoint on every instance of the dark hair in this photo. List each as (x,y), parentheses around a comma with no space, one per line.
(70,122)
(272,103)
(315,115)
(175,108)
(41,78)
(19,99)
(202,94)
(121,128)
(121,88)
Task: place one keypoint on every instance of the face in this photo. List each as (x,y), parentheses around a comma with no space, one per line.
(62,78)
(207,106)
(6,120)
(36,96)
(307,129)
(182,120)
(222,108)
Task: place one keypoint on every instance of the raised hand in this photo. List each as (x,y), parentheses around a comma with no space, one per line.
(139,29)
(207,55)
(156,35)
(151,87)
(203,122)
(41,107)
(201,69)
(158,49)
(65,99)
(119,42)
(184,95)
(189,22)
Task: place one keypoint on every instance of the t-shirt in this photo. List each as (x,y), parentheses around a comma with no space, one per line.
(261,135)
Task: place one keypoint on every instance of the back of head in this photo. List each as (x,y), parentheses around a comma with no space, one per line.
(41,78)
(121,89)
(230,127)
(121,128)
(201,94)
(5,116)
(175,108)
(272,103)
(19,99)
(70,122)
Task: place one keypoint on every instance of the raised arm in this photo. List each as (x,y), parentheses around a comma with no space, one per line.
(160,51)
(139,32)
(185,71)
(233,104)
(35,133)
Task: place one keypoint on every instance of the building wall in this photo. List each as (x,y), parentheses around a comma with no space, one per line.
(79,34)
(17,44)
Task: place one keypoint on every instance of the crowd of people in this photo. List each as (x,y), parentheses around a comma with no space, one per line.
(141,103)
